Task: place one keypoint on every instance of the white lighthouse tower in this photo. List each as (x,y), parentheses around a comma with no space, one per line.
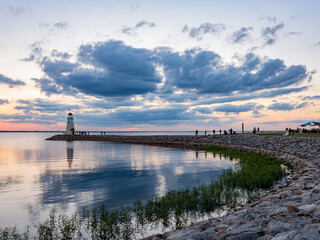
(70,125)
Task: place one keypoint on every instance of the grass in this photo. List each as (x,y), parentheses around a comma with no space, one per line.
(295,135)
(176,208)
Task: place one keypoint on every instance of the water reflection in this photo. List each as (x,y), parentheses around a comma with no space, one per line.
(70,147)
(35,177)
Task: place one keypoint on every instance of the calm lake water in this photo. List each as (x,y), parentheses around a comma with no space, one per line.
(37,175)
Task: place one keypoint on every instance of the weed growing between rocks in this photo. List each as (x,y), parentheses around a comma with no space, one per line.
(176,208)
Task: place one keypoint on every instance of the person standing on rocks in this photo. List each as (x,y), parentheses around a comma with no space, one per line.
(205,132)
(196,132)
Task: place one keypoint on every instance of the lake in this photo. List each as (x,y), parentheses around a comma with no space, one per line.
(37,175)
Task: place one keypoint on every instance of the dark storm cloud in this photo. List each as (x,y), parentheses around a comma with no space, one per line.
(205,28)
(141,24)
(61,25)
(241,35)
(10,82)
(281,106)
(270,34)
(229,108)
(3,101)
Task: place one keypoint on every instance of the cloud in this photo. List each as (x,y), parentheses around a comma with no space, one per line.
(141,24)
(115,70)
(204,72)
(44,106)
(270,34)
(269,18)
(60,55)
(132,117)
(144,24)
(240,35)
(204,110)
(10,82)
(135,6)
(36,52)
(301,105)
(229,108)
(294,33)
(61,25)
(263,94)
(16,10)
(317,44)
(281,106)
(47,86)
(32,118)
(295,16)
(205,28)
(311,97)
(3,101)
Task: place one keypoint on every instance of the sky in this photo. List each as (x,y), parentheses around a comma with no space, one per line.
(159,65)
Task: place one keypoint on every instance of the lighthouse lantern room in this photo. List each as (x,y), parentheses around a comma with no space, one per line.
(70,125)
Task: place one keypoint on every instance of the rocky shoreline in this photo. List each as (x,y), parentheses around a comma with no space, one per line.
(290,211)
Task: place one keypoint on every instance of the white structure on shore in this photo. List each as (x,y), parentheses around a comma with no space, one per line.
(70,125)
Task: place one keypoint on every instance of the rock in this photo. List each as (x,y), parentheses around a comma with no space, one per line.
(205,226)
(183,234)
(275,227)
(292,209)
(311,235)
(204,236)
(277,210)
(221,227)
(286,235)
(315,195)
(310,208)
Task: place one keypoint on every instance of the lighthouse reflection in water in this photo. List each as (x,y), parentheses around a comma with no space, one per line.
(70,149)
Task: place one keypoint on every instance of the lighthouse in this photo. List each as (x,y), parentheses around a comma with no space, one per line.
(70,125)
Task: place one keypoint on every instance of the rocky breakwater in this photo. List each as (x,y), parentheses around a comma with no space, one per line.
(290,211)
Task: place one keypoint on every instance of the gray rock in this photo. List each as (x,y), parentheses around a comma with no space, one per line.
(221,227)
(203,236)
(311,235)
(277,210)
(183,234)
(310,208)
(275,227)
(286,235)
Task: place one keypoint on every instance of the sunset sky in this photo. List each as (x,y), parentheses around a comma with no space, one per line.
(159,65)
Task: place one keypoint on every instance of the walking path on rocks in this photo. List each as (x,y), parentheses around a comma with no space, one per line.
(286,212)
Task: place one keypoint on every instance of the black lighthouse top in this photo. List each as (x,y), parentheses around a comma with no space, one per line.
(69,113)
